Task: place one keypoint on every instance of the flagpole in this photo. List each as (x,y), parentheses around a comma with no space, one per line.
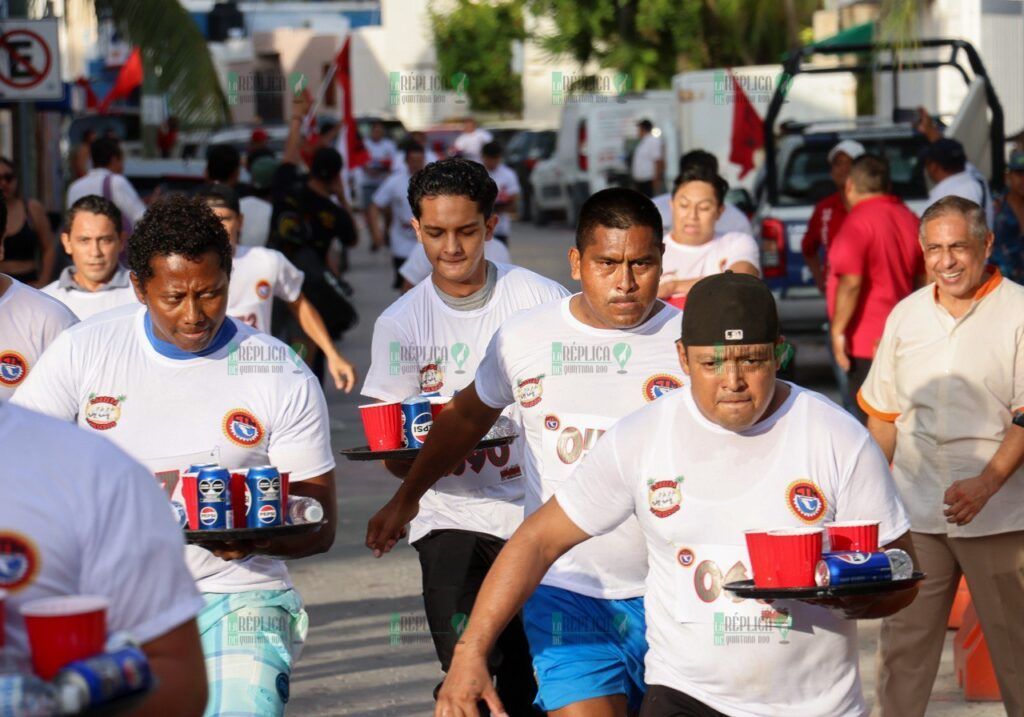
(321,93)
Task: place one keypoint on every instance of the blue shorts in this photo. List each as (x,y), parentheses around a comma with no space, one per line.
(585,647)
(250,642)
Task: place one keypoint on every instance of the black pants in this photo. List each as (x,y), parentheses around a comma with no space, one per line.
(857,375)
(454,564)
(661,701)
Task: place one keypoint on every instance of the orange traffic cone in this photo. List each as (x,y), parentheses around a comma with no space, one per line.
(960,603)
(972,661)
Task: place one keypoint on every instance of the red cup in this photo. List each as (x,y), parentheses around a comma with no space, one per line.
(437,404)
(64,629)
(238,492)
(676,300)
(382,423)
(858,535)
(761,561)
(795,553)
(190,495)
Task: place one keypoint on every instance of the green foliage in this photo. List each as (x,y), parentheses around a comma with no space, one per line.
(898,20)
(475,40)
(651,40)
(175,50)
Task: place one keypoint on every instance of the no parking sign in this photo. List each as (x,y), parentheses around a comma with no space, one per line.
(30,60)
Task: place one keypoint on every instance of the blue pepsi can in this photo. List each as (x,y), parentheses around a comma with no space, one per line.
(265,506)
(97,680)
(214,498)
(416,420)
(849,568)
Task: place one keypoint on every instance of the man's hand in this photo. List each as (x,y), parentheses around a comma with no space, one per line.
(839,351)
(466,684)
(343,372)
(965,498)
(387,526)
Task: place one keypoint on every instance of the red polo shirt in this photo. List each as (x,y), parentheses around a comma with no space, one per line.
(878,242)
(825,222)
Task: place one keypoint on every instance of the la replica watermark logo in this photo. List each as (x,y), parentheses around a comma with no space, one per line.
(665,496)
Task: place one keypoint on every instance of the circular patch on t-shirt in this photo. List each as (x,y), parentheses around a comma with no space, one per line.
(551,422)
(658,385)
(685,557)
(242,428)
(263,289)
(806,501)
(19,561)
(13,368)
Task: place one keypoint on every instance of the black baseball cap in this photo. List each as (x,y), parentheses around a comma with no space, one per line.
(730,309)
(946,153)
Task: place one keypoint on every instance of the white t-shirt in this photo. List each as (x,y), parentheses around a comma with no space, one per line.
(508,187)
(732,219)
(29,321)
(417,266)
(571,382)
(257,275)
(422,345)
(121,192)
(471,144)
(382,157)
(85,304)
(393,195)
(683,261)
(969,184)
(256,215)
(647,152)
(251,402)
(695,487)
(79,517)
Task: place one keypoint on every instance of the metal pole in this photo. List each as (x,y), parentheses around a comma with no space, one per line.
(24,119)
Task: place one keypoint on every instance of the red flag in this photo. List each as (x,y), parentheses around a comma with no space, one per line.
(747,129)
(90,97)
(127,80)
(352,148)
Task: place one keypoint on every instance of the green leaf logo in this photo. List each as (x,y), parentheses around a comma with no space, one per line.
(460,84)
(622,352)
(460,352)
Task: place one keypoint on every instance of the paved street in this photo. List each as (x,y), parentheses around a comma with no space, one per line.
(369,653)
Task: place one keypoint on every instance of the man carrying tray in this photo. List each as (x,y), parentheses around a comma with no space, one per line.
(735,450)
(572,367)
(431,340)
(173,382)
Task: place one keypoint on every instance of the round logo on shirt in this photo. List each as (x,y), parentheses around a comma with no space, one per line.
(13,368)
(551,422)
(529,391)
(103,412)
(664,496)
(685,557)
(19,561)
(659,384)
(431,378)
(242,428)
(263,289)
(806,501)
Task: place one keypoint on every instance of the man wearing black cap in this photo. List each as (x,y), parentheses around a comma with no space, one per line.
(946,165)
(735,450)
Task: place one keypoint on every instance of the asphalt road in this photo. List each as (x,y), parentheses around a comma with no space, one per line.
(369,653)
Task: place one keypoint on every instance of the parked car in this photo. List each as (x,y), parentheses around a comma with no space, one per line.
(796,172)
(522,154)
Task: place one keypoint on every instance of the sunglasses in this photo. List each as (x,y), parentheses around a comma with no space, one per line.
(7,177)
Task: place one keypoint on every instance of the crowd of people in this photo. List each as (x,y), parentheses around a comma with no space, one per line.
(590,553)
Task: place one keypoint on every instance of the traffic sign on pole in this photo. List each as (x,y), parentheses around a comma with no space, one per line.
(29,60)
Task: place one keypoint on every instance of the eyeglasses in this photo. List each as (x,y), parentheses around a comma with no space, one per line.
(7,177)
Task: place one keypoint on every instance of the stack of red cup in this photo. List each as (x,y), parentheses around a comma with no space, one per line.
(784,558)
(858,535)
(382,423)
(64,629)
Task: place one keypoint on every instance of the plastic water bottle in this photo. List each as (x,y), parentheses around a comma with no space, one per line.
(26,696)
(302,509)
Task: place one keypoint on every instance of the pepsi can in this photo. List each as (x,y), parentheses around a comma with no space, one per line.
(265,507)
(416,420)
(850,568)
(100,679)
(214,498)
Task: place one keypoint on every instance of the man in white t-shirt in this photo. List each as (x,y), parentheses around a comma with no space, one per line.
(382,151)
(735,450)
(572,368)
(417,266)
(390,206)
(647,166)
(94,240)
(79,517)
(732,219)
(431,341)
(175,382)
(508,189)
(106,179)
(946,165)
(29,321)
(692,249)
(470,144)
(259,274)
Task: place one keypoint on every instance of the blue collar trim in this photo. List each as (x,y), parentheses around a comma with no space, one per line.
(224,334)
